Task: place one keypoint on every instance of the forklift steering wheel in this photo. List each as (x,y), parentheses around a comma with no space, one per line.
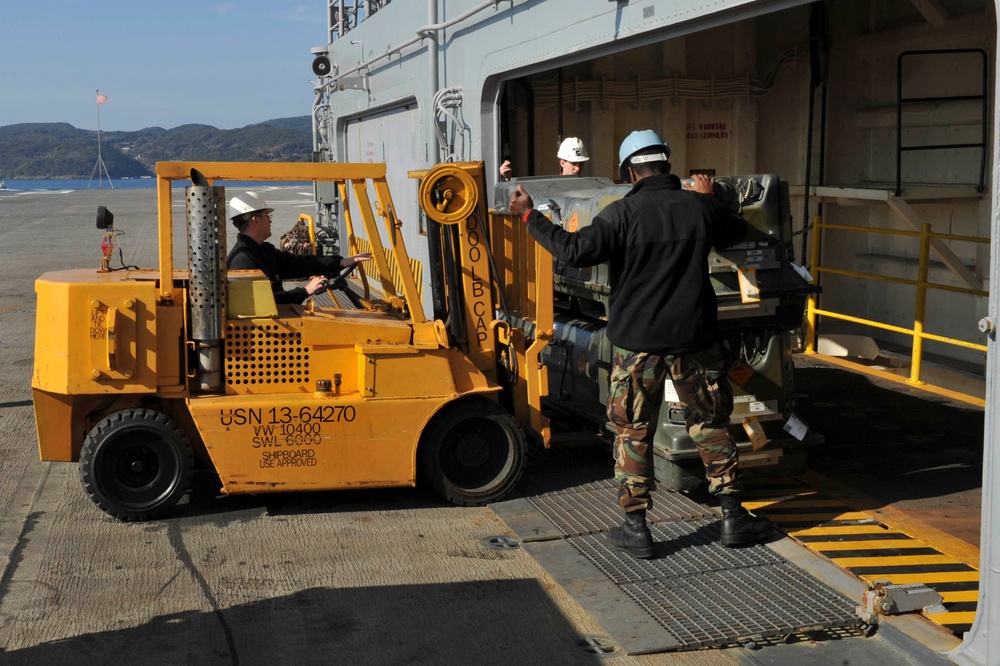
(338,282)
(332,283)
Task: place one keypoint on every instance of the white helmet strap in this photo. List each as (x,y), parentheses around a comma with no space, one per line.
(642,159)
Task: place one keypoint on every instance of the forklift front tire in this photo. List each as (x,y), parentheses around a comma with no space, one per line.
(136,464)
(473,453)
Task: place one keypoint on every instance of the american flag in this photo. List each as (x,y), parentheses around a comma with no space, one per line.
(101,99)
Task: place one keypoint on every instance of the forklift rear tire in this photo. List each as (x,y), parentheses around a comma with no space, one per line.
(473,453)
(136,464)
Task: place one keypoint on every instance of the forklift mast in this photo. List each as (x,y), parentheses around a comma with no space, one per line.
(492,277)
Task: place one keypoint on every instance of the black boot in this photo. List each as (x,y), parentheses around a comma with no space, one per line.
(739,526)
(633,536)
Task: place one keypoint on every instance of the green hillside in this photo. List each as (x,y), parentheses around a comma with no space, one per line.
(59,150)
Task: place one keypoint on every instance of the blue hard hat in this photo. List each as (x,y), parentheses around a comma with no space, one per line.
(636,141)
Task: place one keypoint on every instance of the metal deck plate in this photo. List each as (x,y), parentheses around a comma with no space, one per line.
(681,549)
(726,607)
(622,619)
(586,509)
(570,492)
(695,593)
(595,509)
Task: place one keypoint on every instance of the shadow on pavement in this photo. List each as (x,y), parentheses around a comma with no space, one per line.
(410,624)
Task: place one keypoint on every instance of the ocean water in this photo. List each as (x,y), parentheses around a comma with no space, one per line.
(18,185)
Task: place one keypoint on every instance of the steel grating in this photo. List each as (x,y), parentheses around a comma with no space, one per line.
(704,594)
(605,485)
(681,548)
(594,508)
(723,607)
(573,490)
(695,593)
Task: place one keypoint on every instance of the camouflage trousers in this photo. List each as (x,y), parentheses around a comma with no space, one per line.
(637,387)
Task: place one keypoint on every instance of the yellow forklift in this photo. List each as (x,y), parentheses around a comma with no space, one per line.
(140,374)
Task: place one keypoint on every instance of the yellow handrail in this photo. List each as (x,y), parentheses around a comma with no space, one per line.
(311,226)
(921,283)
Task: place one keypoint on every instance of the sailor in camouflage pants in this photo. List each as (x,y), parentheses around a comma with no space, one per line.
(633,404)
(656,242)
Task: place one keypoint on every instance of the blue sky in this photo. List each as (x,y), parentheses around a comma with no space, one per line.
(161,64)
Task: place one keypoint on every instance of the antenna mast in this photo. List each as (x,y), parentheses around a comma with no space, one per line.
(101,99)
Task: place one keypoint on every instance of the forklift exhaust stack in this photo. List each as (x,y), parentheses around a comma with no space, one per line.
(207,302)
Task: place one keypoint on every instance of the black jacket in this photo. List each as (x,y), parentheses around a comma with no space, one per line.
(278,265)
(656,240)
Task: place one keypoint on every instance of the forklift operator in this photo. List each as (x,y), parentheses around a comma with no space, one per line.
(252,217)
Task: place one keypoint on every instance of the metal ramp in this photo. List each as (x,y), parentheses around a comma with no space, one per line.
(694,594)
(870,548)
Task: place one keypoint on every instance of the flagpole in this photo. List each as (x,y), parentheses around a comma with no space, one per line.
(100,99)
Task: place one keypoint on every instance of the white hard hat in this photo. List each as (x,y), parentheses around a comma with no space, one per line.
(572,150)
(248,202)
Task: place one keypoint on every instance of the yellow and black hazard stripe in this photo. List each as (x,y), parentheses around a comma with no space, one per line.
(868,547)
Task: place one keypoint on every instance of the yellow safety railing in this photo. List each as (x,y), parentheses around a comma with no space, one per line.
(311,226)
(920,301)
